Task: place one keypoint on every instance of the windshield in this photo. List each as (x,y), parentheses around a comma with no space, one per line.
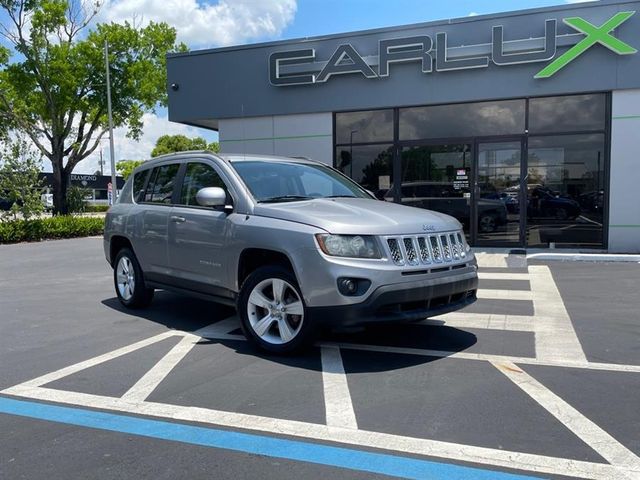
(279,181)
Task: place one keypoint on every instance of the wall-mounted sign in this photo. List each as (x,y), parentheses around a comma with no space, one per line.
(300,67)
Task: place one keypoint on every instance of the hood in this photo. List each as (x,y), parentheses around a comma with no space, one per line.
(359,216)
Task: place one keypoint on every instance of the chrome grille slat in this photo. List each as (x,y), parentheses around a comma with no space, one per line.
(410,251)
(414,250)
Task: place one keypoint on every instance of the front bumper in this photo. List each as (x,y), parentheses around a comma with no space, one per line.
(403,302)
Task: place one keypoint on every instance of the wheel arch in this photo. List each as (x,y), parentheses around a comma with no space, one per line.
(253,258)
(117,243)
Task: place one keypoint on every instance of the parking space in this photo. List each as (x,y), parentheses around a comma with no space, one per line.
(515,386)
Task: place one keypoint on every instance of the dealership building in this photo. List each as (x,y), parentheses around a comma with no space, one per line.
(522,125)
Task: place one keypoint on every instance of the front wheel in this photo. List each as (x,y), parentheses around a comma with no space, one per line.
(272,311)
(129,281)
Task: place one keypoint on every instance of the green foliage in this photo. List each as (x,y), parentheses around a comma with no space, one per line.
(54,89)
(96,208)
(76,199)
(63,226)
(181,143)
(126,167)
(19,182)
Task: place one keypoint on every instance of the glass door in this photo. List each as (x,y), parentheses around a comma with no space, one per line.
(498,194)
(436,177)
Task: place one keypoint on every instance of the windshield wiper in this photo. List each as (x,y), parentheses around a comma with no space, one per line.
(285,198)
(341,196)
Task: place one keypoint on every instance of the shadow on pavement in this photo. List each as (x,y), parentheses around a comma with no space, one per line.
(177,312)
(189,314)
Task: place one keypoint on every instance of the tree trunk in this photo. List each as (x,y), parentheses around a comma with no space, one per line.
(60,184)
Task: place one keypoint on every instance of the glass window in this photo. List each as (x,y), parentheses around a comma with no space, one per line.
(161,189)
(197,176)
(364,127)
(280,181)
(138,185)
(565,114)
(566,190)
(463,120)
(369,165)
(436,177)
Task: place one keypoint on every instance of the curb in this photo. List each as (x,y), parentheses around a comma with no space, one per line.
(585,257)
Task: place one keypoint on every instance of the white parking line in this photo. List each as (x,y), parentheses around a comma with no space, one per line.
(491,259)
(491,321)
(148,383)
(362,438)
(556,338)
(337,399)
(613,367)
(63,372)
(502,276)
(491,294)
(590,433)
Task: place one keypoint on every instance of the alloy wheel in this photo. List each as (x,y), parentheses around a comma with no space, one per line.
(126,280)
(275,311)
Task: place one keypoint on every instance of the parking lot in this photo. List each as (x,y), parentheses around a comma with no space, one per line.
(539,379)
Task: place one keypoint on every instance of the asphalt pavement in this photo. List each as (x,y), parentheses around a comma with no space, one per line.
(539,379)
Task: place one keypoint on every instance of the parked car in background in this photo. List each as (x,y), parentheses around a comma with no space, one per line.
(294,244)
(544,202)
(47,201)
(443,197)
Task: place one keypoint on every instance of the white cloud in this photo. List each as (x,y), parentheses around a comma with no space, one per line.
(128,149)
(198,24)
(201,24)
(472,14)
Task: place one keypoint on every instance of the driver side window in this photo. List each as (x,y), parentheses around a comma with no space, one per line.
(197,176)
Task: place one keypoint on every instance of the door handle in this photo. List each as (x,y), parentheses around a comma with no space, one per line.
(177,219)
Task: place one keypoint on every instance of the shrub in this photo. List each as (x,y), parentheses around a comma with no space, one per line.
(76,199)
(96,208)
(64,226)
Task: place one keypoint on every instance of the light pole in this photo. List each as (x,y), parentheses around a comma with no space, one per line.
(351,153)
(114,184)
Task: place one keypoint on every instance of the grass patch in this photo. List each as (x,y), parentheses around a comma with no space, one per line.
(63,226)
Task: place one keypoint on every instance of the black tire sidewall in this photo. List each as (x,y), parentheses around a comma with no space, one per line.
(142,295)
(306,333)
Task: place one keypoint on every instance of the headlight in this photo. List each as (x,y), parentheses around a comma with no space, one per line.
(355,246)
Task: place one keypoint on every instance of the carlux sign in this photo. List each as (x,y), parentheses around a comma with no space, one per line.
(424,50)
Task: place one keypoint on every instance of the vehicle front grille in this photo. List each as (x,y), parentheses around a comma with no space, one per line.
(426,249)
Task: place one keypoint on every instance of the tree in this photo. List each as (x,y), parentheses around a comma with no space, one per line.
(54,90)
(20,181)
(182,143)
(126,167)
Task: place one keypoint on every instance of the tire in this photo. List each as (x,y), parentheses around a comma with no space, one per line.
(487,223)
(266,304)
(128,281)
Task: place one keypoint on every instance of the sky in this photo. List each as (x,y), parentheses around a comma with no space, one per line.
(207,24)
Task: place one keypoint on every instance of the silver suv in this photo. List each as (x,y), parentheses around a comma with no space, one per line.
(292,243)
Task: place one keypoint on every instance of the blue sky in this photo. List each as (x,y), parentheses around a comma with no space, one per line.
(321,17)
(213,23)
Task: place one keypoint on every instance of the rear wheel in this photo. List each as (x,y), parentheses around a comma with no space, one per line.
(129,281)
(272,311)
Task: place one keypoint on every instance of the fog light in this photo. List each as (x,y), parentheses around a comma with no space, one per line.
(348,286)
(353,286)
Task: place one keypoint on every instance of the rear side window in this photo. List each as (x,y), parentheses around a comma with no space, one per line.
(138,185)
(197,176)
(160,186)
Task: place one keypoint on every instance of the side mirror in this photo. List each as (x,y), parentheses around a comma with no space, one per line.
(211,197)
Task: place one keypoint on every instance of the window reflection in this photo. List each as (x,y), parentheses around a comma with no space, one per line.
(463,120)
(566,190)
(364,127)
(369,165)
(436,177)
(566,114)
